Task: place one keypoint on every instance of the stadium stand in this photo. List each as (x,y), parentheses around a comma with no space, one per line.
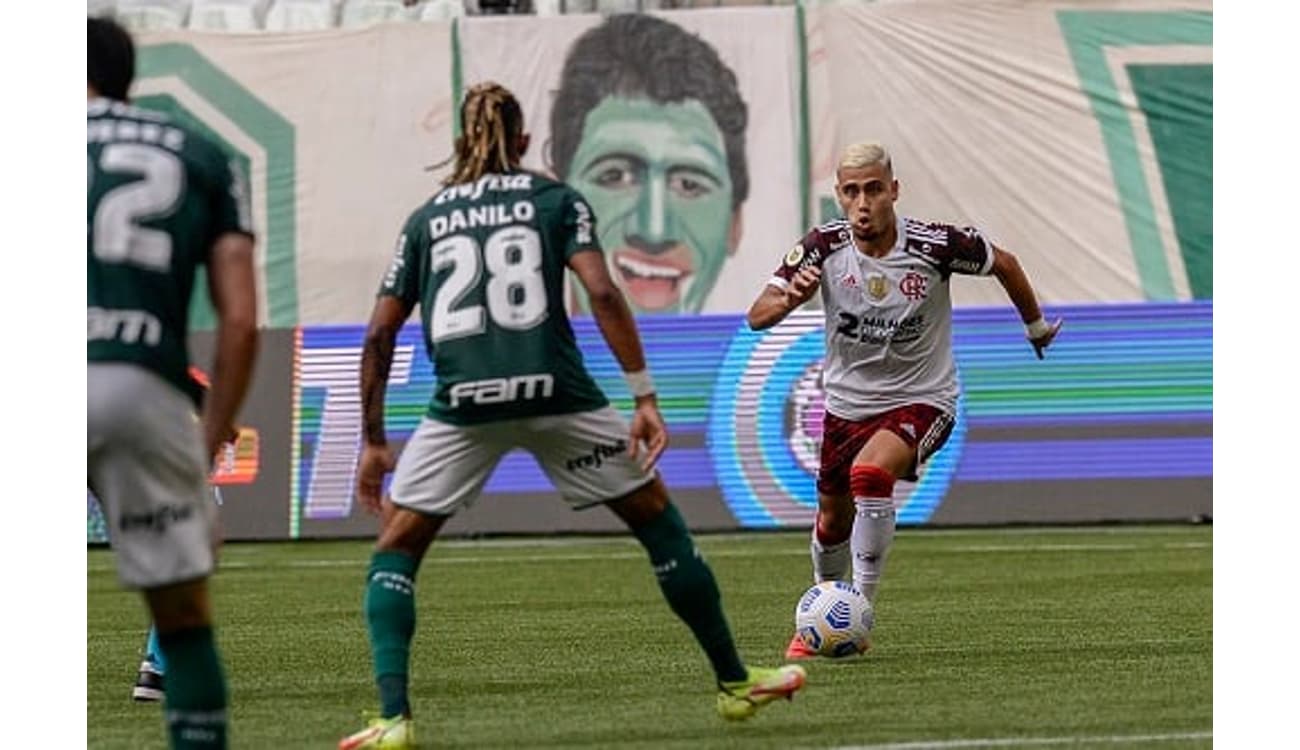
(365,12)
(302,15)
(441,10)
(315,15)
(227,15)
(152,15)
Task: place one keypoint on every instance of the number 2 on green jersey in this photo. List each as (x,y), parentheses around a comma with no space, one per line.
(119,237)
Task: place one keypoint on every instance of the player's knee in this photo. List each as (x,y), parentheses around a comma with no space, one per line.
(834,524)
(409,532)
(181,606)
(869,480)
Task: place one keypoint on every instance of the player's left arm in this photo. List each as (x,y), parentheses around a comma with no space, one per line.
(1009,273)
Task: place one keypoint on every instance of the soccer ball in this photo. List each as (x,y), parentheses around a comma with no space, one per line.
(834,619)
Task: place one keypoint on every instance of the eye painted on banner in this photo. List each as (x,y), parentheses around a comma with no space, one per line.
(795,255)
(691,183)
(616,172)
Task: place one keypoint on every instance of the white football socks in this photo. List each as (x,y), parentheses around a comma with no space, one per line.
(830,562)
(873,532)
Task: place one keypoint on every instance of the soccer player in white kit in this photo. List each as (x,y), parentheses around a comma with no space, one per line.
(890,380)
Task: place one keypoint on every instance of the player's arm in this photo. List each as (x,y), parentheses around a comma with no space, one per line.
(618,327)
(376,361)
(398,293)
(793,283)
(775,302)
(1009,273)
(233,291)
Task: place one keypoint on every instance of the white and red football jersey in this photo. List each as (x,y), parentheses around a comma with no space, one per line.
(888,319)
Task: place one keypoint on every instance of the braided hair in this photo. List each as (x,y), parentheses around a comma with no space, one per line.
(491,121)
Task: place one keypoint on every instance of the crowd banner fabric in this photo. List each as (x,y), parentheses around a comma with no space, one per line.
(1077,135)
(336,130)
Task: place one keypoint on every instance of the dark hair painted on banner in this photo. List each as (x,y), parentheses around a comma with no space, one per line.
(110,58)
(640,55)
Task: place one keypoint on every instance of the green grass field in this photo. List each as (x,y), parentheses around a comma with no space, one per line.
(999,638)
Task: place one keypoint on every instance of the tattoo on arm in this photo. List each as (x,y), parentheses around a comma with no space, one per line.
(376,360)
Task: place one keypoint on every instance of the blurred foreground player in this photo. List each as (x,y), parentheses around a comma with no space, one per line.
(148,686)
(161,201)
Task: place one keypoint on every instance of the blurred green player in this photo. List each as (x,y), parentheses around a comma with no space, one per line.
(148,686)
(485,259)
(160,202)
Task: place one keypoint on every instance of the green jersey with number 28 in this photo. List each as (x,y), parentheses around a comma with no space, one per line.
(486,261)
(157,197)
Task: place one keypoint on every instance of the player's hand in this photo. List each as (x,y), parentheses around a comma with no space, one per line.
(803,286)
(215,438)
(376,461)
(649,436)
(1041,343)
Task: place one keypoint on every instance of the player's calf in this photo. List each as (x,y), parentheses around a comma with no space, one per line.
(873,525)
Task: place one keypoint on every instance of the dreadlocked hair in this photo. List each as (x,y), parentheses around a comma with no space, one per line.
(490,123)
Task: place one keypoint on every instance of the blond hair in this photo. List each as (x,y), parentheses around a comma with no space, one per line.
(865,154)
(490,121)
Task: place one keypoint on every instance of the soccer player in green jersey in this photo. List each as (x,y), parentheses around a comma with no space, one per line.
(160,202)
(485,260)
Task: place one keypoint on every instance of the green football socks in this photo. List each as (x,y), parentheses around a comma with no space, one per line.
(390,618)
(691,591)
(195,689)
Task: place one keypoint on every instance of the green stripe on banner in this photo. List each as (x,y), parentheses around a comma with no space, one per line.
(1088,34)
(1179,104)
(274,134)
(457,80)
(805,147)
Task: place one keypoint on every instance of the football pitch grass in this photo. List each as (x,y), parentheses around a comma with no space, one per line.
(1093,637)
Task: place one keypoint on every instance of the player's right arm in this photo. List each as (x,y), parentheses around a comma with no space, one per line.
(398,295)
(614,318)
(795,282)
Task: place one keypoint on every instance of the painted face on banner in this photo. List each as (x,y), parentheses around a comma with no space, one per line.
(656,175)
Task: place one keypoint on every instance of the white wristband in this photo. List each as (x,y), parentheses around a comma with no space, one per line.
(1037,329)
(640,383)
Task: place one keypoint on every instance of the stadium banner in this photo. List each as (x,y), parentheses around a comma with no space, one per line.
(1078,135)
(336,130)
(1116,424)
(682,130)
(252,478)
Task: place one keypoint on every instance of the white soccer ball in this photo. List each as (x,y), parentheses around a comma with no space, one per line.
(834,619)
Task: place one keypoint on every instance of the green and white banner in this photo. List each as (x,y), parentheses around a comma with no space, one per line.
(336,129)
(1077,135)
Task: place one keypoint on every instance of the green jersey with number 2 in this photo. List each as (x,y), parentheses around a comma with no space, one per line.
(157,197)
(486,261)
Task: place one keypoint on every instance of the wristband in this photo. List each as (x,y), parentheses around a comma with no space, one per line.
(640,383)
(1037,329)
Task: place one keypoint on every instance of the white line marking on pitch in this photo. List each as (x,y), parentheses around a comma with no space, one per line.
(1031,741)
(637,555)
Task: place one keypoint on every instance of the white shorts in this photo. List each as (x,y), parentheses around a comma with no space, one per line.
(144,461)
(443,467)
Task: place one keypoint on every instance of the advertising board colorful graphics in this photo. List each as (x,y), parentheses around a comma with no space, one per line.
(252,476)
(1124,399)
